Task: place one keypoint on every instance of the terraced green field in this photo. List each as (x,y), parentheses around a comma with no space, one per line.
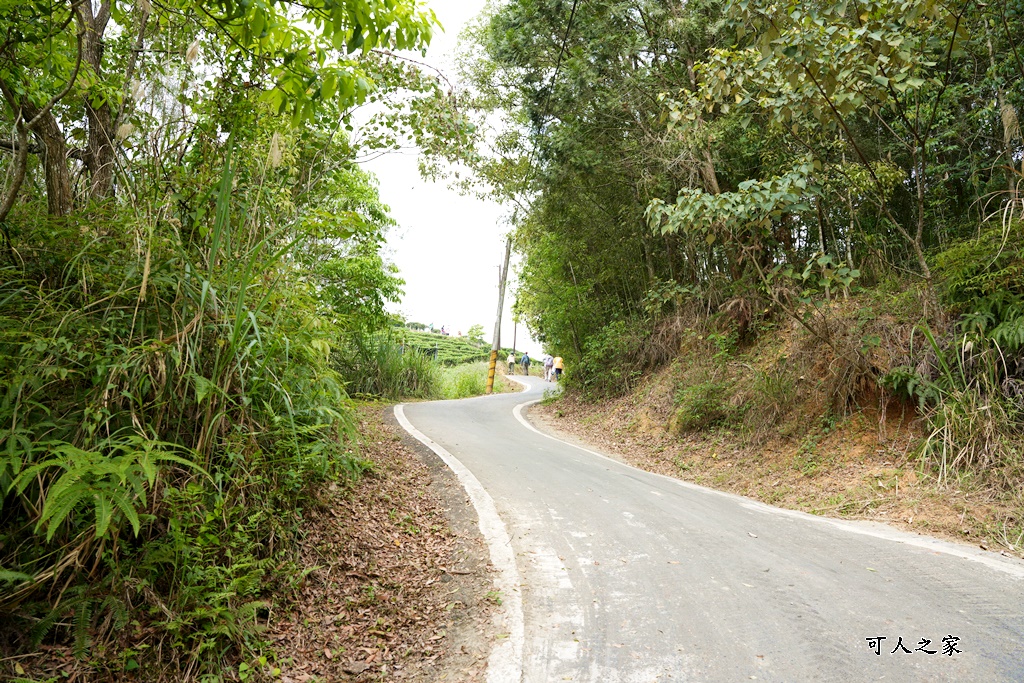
(450,350)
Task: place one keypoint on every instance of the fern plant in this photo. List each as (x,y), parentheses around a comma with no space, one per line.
(111,480)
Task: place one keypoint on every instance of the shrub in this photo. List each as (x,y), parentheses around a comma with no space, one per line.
(463,381)
(974,416)
(613,360)
(166,407)
(704,405)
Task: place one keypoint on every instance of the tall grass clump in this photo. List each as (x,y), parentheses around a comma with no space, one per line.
(975,419)
(378,365)
(968,380)
(383,366)
(464,381)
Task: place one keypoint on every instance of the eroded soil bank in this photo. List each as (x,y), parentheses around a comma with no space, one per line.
(857,467)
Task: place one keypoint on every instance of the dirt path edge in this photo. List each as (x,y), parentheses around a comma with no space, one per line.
(505,663)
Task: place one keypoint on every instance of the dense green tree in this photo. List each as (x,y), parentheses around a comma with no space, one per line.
(78,76)
(584,150)
(188,242)
(709,154)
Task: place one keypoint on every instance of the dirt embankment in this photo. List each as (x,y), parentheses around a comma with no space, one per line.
(865,464)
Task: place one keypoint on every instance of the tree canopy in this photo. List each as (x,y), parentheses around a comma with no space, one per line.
(668,155)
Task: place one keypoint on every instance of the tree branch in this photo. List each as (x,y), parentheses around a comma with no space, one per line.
(1010,39)
(20,162)
(945,79)
(33,148)
(59,96)
(136,51)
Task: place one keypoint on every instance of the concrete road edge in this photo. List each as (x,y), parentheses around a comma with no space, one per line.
(1006,565)
(505,664)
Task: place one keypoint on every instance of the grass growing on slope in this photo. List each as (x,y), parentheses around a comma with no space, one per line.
(470,379)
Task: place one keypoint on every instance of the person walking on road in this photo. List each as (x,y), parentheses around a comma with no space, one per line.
(511,362)
(559,365)
(549,368)
(525,362)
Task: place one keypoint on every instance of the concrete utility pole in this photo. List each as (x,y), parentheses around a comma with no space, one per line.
(496,344)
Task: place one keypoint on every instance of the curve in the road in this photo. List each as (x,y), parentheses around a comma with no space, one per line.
(881,531)
(630,577)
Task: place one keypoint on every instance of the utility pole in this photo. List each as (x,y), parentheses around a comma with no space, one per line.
(496,343)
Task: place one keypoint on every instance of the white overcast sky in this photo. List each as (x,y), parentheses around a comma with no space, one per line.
(448,247)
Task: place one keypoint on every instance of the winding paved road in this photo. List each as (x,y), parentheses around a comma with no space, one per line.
(631,576)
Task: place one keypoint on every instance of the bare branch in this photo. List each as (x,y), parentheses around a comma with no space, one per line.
(132,64)
(389,53)
(33,148)
(20,162)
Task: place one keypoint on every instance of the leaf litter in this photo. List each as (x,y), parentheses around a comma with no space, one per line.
(397,576)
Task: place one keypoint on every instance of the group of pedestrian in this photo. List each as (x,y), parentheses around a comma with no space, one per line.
(553,368)
(553,365)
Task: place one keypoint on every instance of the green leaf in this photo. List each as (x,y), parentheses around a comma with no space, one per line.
(330,85)
(7,576)
(129,511)
(104,511)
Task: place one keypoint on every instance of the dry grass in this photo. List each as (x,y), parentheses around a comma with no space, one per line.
(801,424)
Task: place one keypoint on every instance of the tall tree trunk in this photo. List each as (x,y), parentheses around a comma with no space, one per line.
(645,243)
(17,177)
(821,225)
(99,155)
(41,122)
(55,162)
(918,157)
(706,163)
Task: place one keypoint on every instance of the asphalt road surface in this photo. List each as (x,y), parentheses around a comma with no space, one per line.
(630,576)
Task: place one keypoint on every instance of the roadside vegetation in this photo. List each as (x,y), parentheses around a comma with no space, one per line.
(767,231)
(190,257)
(395,365)
(449,350)
(798,218)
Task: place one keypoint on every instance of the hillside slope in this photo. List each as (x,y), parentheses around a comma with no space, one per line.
(771,422)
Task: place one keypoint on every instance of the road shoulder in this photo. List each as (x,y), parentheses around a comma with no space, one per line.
(473,630)
(850,487)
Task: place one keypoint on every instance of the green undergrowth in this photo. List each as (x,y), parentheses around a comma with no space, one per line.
(381,366)
(168,408)
(384,366)
(467,380)
(930,437)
